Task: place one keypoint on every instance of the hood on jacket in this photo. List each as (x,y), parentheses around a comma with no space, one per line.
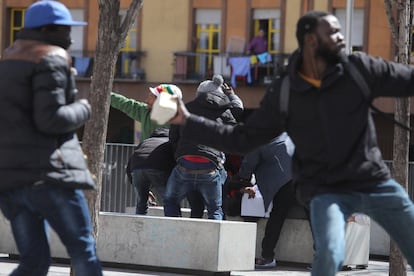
(214,100)
(160,132)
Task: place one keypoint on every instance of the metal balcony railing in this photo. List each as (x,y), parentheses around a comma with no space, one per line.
(127,65)
(196,67)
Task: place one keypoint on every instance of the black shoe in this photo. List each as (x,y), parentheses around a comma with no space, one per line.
(346,268)
(361,266)
(262,263)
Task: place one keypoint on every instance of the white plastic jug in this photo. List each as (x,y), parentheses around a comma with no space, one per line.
(164,108)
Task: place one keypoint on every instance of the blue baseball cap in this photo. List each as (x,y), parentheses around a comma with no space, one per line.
(49,12)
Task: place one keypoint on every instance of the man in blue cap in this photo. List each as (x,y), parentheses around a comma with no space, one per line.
(42,166)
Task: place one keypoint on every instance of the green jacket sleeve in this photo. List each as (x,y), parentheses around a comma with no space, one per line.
(134,109)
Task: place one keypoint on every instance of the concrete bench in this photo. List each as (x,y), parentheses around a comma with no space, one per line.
(296,242)
(181,243)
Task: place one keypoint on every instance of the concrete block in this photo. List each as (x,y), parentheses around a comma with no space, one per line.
(7,244)
(158,211)
(177,242)
(380,240)
(295,243)
(184,243)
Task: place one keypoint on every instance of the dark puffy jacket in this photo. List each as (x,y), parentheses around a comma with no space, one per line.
(333,131)
(215,106)
(38,118)
(155,153)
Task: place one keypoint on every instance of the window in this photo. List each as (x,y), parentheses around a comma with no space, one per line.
(357,29)
(81,61)
(127,64)
(16,22)
(269,21)
(208,27)
(77,33)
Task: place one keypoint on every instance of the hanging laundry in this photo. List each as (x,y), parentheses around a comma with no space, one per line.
(264,57)
(253,60)
(240,67)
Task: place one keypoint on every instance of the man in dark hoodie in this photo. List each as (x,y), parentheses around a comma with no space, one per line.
(199,167)
(271,166)
(42,167)
(149,168)
(337,166)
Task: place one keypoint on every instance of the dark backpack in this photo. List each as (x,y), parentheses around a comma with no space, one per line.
(356,76)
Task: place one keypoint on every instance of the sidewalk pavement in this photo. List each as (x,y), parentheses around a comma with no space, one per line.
(375,268)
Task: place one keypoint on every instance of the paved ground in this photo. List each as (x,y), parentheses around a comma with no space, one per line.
(375,268)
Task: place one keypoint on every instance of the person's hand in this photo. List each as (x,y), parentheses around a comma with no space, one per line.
(251,191)
(227,89)
(85,102)
(182,114)
(351,219)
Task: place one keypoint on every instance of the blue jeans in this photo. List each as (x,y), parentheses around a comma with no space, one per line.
(209,185)
(145,180)
(388,204)
(66,211)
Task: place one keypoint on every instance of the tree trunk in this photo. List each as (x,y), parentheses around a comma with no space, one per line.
(95,130)
(398,264)
(112,31)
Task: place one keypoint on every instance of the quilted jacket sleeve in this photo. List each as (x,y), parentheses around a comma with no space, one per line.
(54,108)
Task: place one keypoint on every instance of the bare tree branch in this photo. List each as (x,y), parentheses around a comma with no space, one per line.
(391,19)
(131,15)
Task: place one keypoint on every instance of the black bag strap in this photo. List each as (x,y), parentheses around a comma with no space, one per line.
(284,96)
(362,83)
(358,79)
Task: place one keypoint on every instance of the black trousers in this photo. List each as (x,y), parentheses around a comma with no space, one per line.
(282,202)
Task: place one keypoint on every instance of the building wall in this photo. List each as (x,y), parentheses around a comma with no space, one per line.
(293,12)
(320,5)
(165,29)
(379,47)
(26,3)
(91,32)
(236,23)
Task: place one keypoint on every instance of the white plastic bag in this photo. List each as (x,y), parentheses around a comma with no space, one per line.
(254,207)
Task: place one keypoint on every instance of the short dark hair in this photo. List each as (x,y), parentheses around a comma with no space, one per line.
(307,24)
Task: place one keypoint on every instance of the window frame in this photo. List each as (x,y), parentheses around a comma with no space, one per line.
(14,29)
(355,28)
(268,17)
(212,30)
